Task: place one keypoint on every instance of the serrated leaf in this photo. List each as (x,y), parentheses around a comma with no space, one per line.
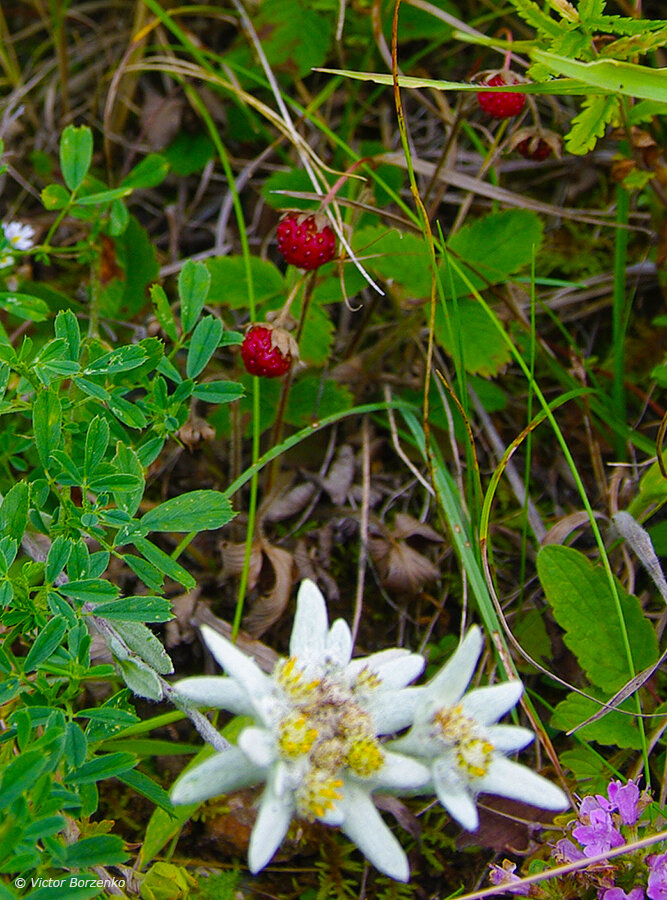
(583,605)
(76,153)
(229,281)
(66,328)
(14,511)
(122,359)
(591,123)
(203,344)
(98,850)
(94,590)
(107,766)
(148,788)
(20,774)
(613,729)
(194,511)
(194,281)
(470,328)
(57,558)
(399,257)
(97,441)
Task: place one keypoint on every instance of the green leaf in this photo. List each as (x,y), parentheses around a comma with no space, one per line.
(491,249)
(295,37)
(66,328)
(145,644)
(141,679)
(396,256)
(97,441)
(14,511)
(76,153)
(47,423)
(151,577)
(24,306)
(610,76)
(194,281)
(163,312)
(94,590)
(194,511)
(294,180)
(591,123)
(218,391)
(150,172)
(57,558)
(99,850)
(128,413)
(170,567)
(46,642)
(121,360)
(229,281)
(314,397)
(101,767)
(20,774)
(583,605)
(148,788)
(467,326)
(613,729)
(117,483)
(203,344)
(55,196)
(188,153)
(136,609)
(141,266)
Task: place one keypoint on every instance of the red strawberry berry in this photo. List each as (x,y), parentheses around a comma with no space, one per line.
(534,148)
(306,240)
(267,351)
(500,105)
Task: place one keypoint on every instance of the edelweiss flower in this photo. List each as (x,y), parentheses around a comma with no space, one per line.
(16,237)
(315,741)
(456,735)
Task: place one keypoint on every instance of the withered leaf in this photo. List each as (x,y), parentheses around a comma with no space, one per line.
(505,825)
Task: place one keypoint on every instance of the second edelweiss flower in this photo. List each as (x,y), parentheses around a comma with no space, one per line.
(455,734)
(315,741)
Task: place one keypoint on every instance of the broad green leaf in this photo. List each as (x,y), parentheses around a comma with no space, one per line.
(107,766)
(188,153)
(94,590)
(313,397)
(14,511)
(57,558)
(20,774)
(203,344)
(396,256)
(194,511)
(46,642)
(121,360)
(55,196)
(24,306)
(145,644)
(151,171)
(136,609)
(613,729)
(148,788)
(583,605)
(467,326)
(128,413)
(76,153)
(317,335)
(163,312)
(170,567)
(97,441)
(47,423)
(99,850)
(610,75)
(491,249)
(229,281)
(218,391)
(66,328)
(194,281)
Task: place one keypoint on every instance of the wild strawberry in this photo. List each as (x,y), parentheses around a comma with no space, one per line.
(535,143)
(306,240)
(268,351)
(497,104)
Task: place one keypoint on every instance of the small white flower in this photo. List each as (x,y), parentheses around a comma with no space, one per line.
(315,741)
(16,237)
(455,734)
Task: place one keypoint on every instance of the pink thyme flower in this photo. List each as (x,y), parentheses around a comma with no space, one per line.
(625,798)
(657,878)
(504,875)
(617,893)
(598,834)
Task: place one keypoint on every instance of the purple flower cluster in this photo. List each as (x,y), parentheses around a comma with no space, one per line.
(657,877)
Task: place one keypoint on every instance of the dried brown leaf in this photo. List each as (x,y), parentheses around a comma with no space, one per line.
(339,479)
(180,629)
(407,570)
(233,555)
(505,825)
(289,502)
(406,526)
(271,603)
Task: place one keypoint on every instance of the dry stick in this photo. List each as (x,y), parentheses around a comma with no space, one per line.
(363,526)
